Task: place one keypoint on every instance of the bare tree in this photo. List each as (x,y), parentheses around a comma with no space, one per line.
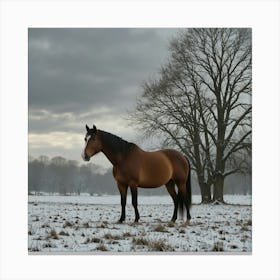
(201,103)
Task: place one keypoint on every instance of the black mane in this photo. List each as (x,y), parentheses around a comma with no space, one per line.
(114,143)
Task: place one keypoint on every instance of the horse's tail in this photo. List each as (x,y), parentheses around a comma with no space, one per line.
(188,194)
(180,205)
(189,188)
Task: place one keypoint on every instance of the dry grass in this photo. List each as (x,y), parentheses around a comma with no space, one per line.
(67,224)
(140,241)
(218,247)
(86,225)
(170,224)
(160,246)
(104,224)
(111,237)
(160,228)
(96,240)
(153,245)
(101,247)
(53,234)
(181,230)
(64,233)
(127,234)
(248,223)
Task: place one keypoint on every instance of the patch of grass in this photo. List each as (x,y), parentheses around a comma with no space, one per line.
(248,223)
(53,234)
(47,245)
(244,228)
(160,246)
(140,241)
(127,234)
(102,225)
(87,241)
(170,224)
(101,247)
(153,245)
(86,225)
(110,236)
(64,233)
(45,226)
(160,228)
(218,247)
(67,224)
(181,230)
(96,240)
(35,249)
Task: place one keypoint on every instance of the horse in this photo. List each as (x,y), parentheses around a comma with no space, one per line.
(135,168)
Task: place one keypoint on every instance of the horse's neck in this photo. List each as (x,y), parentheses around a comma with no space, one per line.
(115,159)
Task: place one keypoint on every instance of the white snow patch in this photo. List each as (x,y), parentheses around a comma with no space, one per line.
(89,224)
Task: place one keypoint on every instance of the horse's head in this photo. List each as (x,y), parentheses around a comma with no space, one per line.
(93,144)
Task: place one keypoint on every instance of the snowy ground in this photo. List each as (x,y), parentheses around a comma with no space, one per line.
(71,224)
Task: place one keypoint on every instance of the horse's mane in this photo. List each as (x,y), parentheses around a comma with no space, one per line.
(114,143)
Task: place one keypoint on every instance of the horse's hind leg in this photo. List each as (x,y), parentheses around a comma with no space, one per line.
(123,192)
(171,189)
(182,192)
(134,202)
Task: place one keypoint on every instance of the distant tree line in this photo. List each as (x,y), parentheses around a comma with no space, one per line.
(59,175)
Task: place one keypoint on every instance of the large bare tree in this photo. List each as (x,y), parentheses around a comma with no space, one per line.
(201,103)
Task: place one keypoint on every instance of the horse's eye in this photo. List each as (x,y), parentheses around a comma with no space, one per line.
(85,139)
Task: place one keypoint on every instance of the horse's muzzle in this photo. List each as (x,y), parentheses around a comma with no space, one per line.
(85,156)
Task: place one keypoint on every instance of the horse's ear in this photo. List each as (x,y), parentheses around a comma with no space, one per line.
(87,128)
(94,128)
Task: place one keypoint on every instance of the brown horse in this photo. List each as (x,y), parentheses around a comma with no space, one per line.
(135,168)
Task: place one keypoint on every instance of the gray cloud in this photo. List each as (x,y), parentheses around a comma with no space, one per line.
(89,75)
(72,69)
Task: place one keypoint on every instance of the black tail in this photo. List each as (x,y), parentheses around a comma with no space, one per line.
(180,205)
(189,189)
(188,194)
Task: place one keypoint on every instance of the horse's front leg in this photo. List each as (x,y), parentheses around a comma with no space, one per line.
(123,192)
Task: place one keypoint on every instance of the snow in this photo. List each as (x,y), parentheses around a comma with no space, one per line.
(89,224)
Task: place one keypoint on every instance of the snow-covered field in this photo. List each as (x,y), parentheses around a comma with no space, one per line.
(71,224)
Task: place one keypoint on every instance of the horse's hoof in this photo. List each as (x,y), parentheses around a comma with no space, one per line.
(119,221)
(188,223)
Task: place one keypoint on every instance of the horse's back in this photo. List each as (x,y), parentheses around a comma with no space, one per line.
(158,167)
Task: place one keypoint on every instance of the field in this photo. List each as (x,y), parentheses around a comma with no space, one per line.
(71,224)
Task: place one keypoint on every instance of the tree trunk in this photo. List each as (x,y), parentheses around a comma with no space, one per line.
(219,189)
(205,193)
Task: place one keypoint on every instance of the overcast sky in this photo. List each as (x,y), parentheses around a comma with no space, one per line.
(93,76)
